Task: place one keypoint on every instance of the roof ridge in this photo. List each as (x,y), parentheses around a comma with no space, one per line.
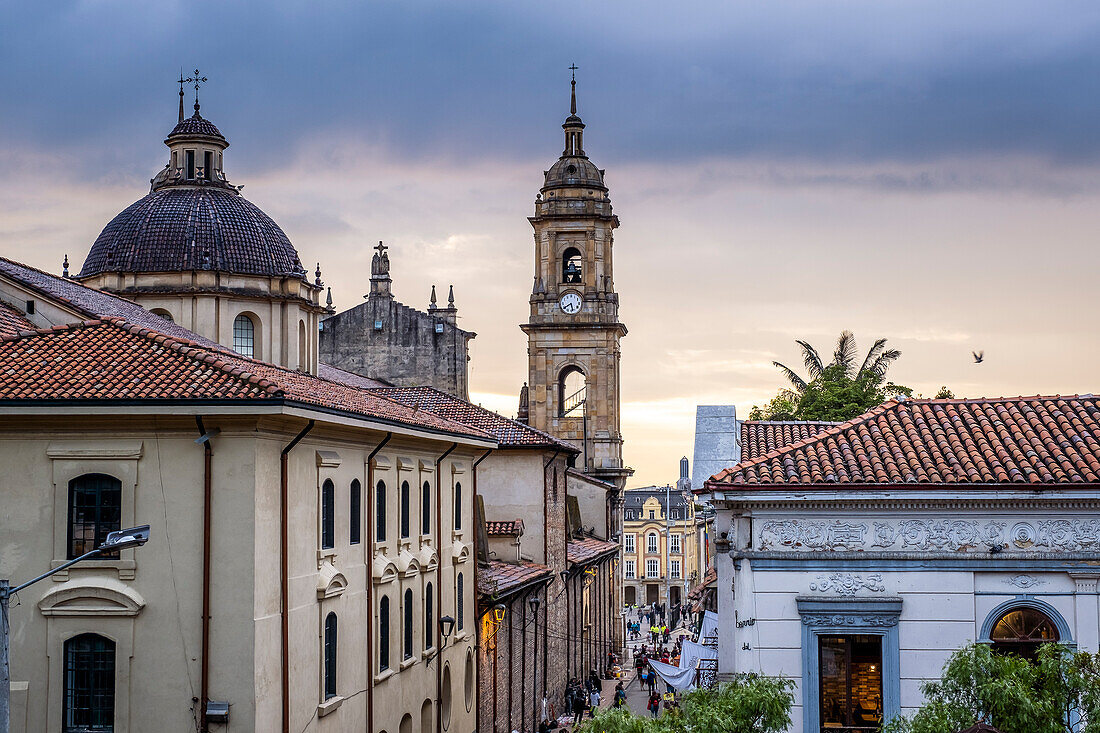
(70,281)
(61,328)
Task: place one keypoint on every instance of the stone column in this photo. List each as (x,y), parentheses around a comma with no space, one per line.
(1087,622)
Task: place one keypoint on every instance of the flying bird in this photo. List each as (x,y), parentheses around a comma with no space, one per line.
(979,356)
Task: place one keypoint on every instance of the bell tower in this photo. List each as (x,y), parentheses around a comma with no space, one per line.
(573,331)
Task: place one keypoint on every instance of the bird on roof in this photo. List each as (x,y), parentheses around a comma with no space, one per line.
(979,356)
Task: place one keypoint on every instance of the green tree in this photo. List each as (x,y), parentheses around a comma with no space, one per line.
(1059,693)
(748,704)
(835,391)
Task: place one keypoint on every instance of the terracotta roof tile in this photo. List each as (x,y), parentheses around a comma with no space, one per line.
(111,359)
(583,552)
(508,433)
(1020,440)
(12,321)
(504,529)
(760,436)
(708,581)
(500,578)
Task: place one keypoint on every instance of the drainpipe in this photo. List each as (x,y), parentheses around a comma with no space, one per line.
(207,499)
(371,539)
(477,631)
(439,588)
(284,567)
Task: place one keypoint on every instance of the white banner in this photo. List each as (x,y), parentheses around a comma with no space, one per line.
(680,679)
(709,626)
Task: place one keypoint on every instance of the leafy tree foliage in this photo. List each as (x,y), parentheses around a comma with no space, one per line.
(1060,693)
(749,704)
(836,391)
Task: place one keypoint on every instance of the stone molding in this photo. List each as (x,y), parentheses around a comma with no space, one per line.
(848,584)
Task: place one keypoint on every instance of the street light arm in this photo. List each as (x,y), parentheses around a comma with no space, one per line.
(58,569)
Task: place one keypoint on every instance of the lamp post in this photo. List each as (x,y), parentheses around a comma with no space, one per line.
(118,540)
(534,603)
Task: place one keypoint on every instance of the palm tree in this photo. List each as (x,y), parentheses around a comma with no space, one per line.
(874,365)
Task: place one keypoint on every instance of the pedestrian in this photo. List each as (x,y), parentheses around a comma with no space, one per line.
(579,704)
(654,705)
(620,696)
(593,702)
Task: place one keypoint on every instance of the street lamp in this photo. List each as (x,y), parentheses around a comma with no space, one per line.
(446,626)
(118,540)
(534,602)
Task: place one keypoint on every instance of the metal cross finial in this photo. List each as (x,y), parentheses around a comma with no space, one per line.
(574,68)
(381,248)
(197,80)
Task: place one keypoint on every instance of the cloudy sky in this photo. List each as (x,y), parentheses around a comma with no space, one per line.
(924,171)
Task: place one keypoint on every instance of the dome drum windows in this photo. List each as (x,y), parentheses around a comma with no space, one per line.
(244,336)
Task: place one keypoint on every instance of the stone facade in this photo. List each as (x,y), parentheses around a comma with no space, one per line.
(393,343)
(661,552)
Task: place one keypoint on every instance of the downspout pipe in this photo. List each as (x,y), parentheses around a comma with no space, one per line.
(477,670)
(205,439)
(436,633)
(371,539)
(284,566)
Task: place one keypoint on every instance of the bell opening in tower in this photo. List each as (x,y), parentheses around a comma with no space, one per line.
(571,266)
(572,391)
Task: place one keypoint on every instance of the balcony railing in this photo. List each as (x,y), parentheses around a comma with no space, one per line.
(706,674)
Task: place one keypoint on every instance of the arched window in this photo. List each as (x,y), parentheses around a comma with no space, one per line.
(89,683)
(384,633)
(355,510)
(95,509)
(380,512)
(571,266)
(407,647)
(426,509)
(330,656)
(460,603)
(651,543)
(1021,631)
(429,629)
(244,336)
(458,506)
(328,515)
(405,499)
(303,347)
(445,700)
(162,313)
(426,717)
(571,390)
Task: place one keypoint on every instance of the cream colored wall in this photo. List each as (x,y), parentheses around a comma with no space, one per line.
(149,600)
(513,486)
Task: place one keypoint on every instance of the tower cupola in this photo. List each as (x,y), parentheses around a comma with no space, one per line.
(195,148)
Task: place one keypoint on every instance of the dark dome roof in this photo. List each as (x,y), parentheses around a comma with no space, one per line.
(195,126)
(193,228)
(574,171)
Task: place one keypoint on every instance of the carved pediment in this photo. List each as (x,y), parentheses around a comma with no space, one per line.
(407,563)
(384,569)
(330,581)
(91,597)
(460,552)
(427,558)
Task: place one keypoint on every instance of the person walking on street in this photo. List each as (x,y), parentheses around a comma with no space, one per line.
(593,702)
(654,705)
(620,696)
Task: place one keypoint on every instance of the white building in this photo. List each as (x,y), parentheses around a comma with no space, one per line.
(857,560)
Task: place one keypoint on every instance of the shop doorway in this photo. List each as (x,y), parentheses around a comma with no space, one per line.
(630,595)
(850,669)
(652,593)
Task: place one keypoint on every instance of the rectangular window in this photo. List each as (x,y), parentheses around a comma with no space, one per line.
(628,544)
(674,544)
(95,510)
(628,569)
(355,510)
(850,669)
(208,166)
(651,514)
(189,156)
(674,568)
(405,509)
(651,568)
(89,684)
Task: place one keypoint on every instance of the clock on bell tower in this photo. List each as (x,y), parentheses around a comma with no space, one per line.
(574,329)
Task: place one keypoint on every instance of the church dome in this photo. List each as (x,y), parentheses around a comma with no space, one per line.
(196,127)
(574,172)
(186,228)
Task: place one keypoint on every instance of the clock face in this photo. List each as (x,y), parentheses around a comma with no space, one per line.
(570,303)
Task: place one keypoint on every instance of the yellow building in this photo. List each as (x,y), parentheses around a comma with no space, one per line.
(661,552)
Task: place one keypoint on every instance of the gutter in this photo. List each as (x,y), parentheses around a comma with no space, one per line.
(284,569)
(371,539)
(436,635)
(207,499)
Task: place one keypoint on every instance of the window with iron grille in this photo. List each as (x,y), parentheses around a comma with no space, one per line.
(408,627)
(674,544)
(674,568)
(330,656)
(628,569)
(244,336)
(328,515)
(651,543)
(89,684)
(95,509)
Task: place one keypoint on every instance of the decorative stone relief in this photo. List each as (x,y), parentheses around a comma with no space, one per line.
(848,584)
(849,619)
(1023,581)
(937,534)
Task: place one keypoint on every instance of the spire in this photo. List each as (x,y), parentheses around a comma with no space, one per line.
(451,297)
(318,275)
(573,91)
(182,81)
(431,303)
(328,300)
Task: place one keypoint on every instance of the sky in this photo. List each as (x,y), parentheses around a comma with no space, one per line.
(927,172)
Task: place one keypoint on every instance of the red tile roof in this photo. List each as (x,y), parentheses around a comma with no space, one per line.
(759,436)
(500,578)
(113,360)
(508,433)
(1021,440)
(504,529)
(12,321)
(583,552)
(708,581)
